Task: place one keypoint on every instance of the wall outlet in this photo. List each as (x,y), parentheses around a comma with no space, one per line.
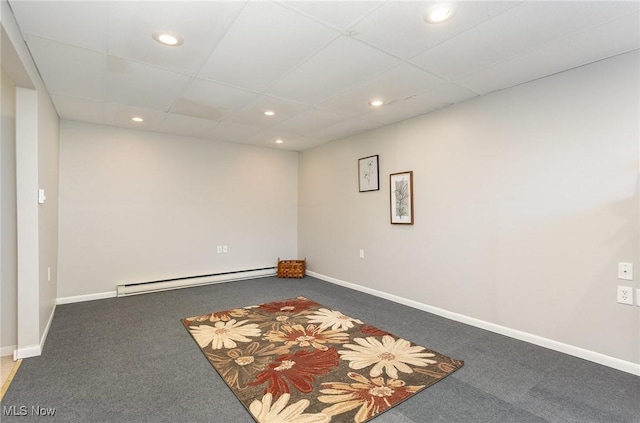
(625,295)
(361,254)
(638,297)
(225,249)
(219,249)
(49,274)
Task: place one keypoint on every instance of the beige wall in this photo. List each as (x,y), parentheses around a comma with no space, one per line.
(525,201)
(48,179)
(8,257)
(138,206)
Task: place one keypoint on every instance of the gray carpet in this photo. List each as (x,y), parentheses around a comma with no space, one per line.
(131,360)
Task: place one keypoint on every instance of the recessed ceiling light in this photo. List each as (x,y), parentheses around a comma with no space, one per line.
(279,141)
(439,13)
(167,38)
(137,119)
(376,103)
(269,112)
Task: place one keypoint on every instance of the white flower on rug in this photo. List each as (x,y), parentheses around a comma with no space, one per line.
(389,355)
(333,318)
(224,334)
(278,412)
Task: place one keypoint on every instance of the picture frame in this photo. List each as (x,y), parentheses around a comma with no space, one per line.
(368,174)
(401,198)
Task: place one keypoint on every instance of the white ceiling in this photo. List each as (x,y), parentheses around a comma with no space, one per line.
(317,64)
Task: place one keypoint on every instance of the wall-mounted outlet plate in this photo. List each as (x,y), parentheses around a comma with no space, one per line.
(625,295)
(625,271)
(638,297)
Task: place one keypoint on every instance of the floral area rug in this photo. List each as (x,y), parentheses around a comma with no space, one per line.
(296,361)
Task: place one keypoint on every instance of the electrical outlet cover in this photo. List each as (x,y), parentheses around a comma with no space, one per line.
(625,271)
(638,297)
(625,295)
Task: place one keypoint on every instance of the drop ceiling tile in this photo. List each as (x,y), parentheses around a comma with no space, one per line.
(186,125)
(420,104)
(253,115)
(409,34)
(78,23)
(393,85)
(450,93)
(208,100)
(298,143)
(292,142)
(120,115)
(137,84)
(614,37)
(310,121)
(529,26)
(339,14)
(404,109)
(342,64)
(83,79)
(345,129)
(259,48)
(231,132)
(74,108)
(267,137)
(202,24)
(302,144)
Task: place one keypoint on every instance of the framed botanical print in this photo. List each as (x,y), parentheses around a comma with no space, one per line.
(401,201)
(368,177)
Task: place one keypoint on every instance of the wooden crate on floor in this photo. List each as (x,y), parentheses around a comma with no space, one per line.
(291,268)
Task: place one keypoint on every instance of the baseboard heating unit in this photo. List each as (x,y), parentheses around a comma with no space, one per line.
(191,281)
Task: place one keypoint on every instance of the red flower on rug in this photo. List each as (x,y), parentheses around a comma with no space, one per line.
(298,370)
(373,331)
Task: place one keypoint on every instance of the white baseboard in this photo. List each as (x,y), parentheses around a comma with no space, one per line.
(46,329)
(605,360)
(88,297)
(27,352)
(33,350)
